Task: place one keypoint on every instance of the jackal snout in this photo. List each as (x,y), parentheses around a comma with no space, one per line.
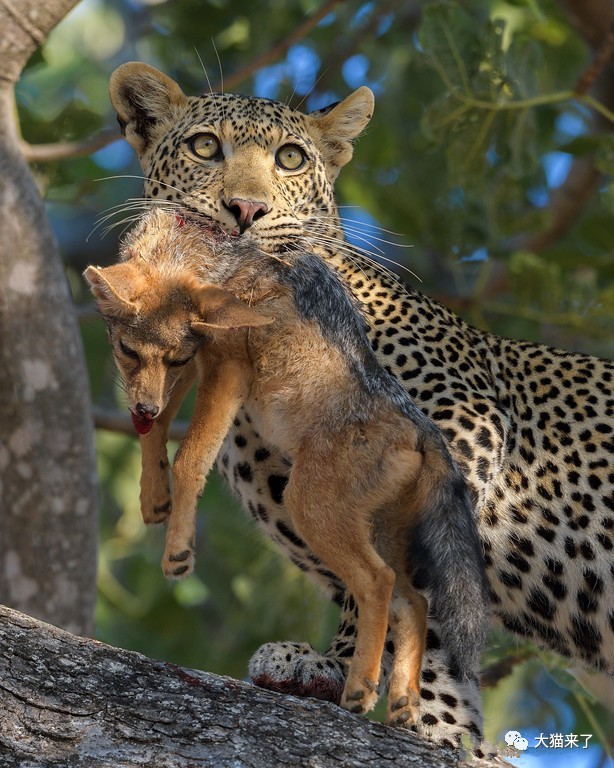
(146,410)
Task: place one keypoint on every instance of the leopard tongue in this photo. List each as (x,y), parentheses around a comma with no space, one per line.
(141,424)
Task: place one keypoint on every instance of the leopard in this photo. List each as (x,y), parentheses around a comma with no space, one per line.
(530,426)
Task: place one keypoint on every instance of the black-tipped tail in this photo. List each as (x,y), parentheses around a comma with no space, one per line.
(445,558)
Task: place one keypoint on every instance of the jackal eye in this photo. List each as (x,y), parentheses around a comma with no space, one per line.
(128,351)
(290,157)
(179,363)
(205,146)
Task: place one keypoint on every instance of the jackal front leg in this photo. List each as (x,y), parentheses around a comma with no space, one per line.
(155,468)
(219,397)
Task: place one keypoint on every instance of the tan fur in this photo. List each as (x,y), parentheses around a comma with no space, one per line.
(352,493)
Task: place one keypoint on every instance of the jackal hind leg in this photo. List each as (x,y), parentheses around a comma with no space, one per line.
(407,621)
(338,533)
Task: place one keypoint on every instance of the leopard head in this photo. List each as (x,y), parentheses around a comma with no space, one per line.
(242,162)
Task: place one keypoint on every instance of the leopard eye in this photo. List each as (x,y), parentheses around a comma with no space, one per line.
(290,157)
(205,146)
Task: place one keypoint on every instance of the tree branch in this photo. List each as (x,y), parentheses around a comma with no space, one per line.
(492,675)
(67,700)
(591,73)
(593,20)
(117,421)
(63,150)
(278,50)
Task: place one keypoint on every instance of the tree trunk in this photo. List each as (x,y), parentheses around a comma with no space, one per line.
(68,701)
(48,488)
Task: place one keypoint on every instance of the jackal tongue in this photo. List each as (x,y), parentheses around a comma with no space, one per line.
(141,424)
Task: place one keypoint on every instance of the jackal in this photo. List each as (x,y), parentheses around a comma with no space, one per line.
(373,490)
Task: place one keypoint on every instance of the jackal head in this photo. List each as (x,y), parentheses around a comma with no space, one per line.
(157,322)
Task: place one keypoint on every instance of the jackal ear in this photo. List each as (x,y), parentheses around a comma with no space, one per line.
(219,308)
(144,98)
(335,128)
(112,289)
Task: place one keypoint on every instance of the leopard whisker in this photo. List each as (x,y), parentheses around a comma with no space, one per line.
(366,224)
(381,254)
(130,205)
(357,257)
(204,69)
(312,89)
(127,221)
(373,258)
(141,178)
(346,252)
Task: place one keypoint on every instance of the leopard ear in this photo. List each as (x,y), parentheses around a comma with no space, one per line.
(113,289)
(144,99)
(219,308)
(335,128)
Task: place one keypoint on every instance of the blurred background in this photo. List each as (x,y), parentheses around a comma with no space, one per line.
(487,180)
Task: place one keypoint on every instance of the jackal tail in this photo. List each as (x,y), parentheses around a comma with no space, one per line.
(446,559)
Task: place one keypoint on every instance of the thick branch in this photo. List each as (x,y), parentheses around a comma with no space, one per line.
(25,25)
(66,700)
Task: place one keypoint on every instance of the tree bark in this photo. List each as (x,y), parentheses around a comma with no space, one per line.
(48,487)
(69,701)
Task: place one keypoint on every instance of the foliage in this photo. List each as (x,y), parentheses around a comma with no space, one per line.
(476,127)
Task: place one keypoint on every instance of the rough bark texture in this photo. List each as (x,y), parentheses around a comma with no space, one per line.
(67,701)
(48,490)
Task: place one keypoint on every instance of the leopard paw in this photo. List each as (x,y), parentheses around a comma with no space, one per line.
(296,669)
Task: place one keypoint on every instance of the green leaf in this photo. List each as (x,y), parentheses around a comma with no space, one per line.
(604,156)
(450,42)
(536,280)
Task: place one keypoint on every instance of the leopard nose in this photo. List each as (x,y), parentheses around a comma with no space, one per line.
(246,212)
(147,411)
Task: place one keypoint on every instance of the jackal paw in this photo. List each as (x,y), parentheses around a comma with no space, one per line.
(359,695)
(403,710)
(154,514)
(296,669)
(178,564)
